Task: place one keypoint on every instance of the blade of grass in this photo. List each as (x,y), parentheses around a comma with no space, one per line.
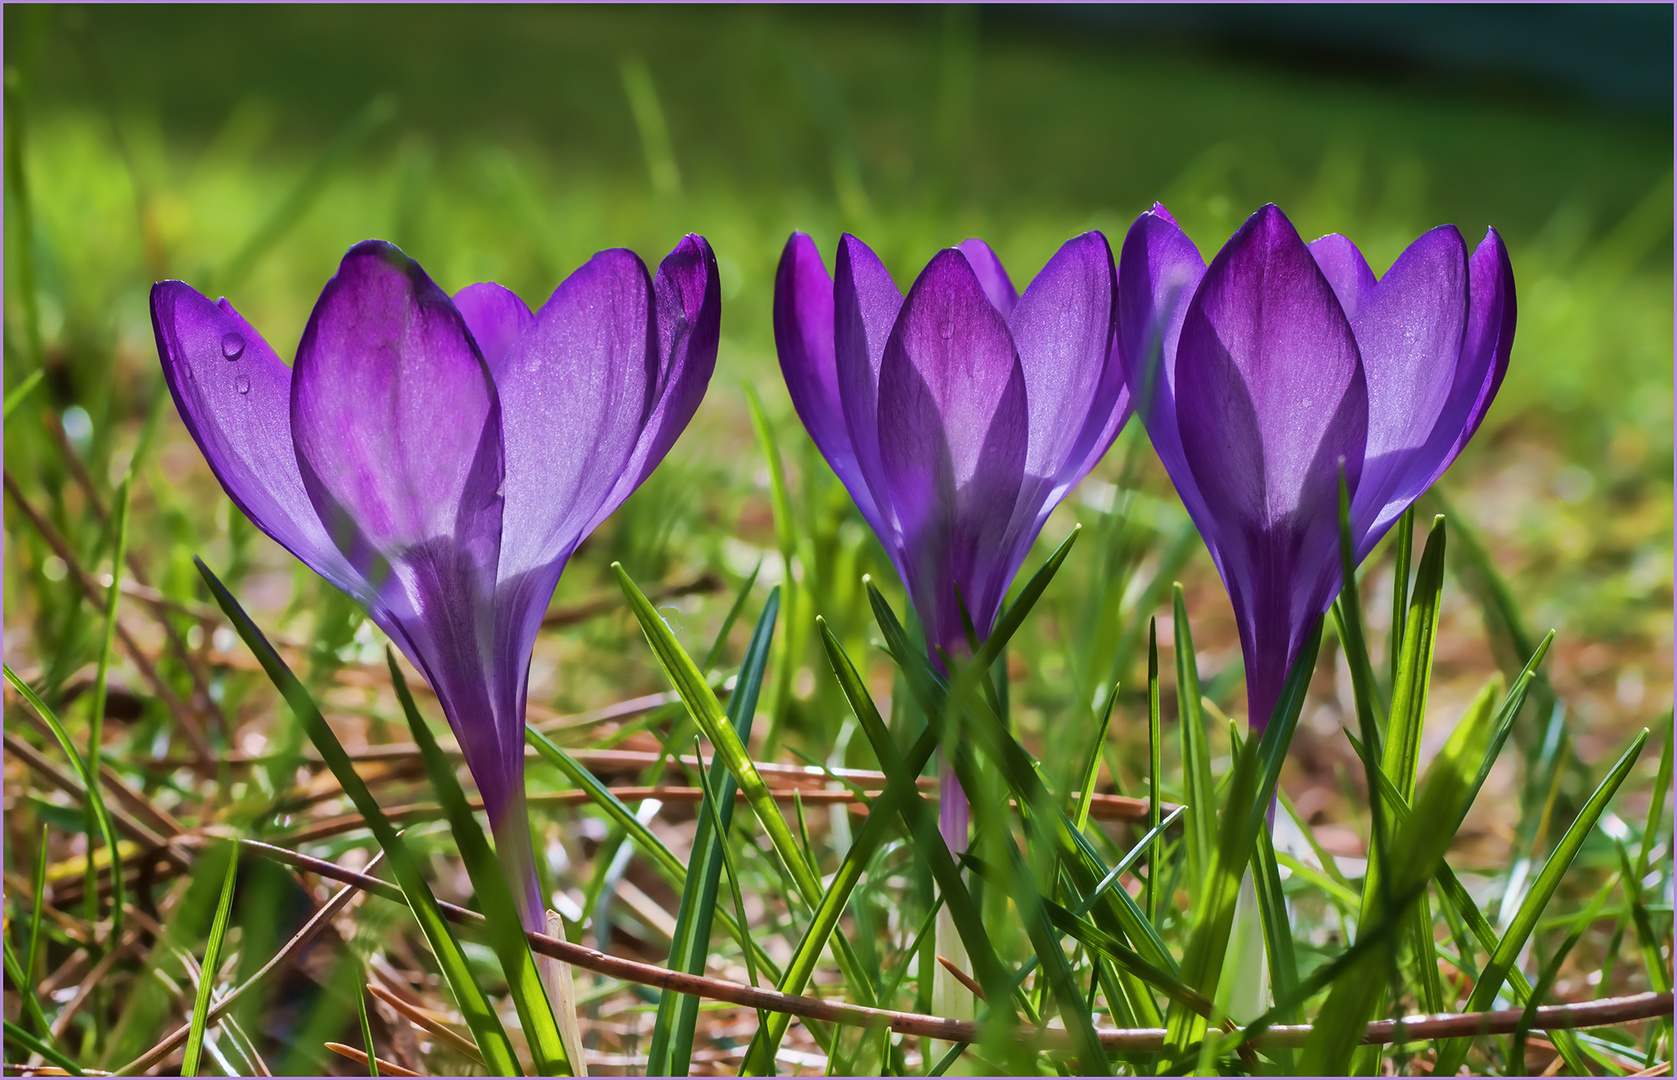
(1656,801)
(366,1030)
(1418,848)
(1507,950)
(36,911)
(1090,770)
(494,893)
(96,717)
(1551,968)
(900,796)
(19,1037)
(26,991)
(207,970)
(1155,765)
(1201,827)
(19,393)
(1403,553)
(786,537)
(671,1049)
(95,799)
(474,1007)
(614,808)
(1256,770)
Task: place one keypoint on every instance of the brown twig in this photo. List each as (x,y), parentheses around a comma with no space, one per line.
(1412,1029)
(589,609)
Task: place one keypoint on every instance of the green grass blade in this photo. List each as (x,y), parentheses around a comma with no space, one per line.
(474,1007)
(366,1030)
(1418,848)
(1155,765)
(1278,931)
(671,1049)
(494,893)
(1403,553)
(725,742)
(95,798)
(900,796)
(1090,771)
(1656,803)
(665,859)
(1507,950)
(26,991)
(19,393)
(35,911)
(207,970)
(1256,770)
(786,537)
(1551,968)
(1659,974)
(1201,827)
(96,716)
(19,1037)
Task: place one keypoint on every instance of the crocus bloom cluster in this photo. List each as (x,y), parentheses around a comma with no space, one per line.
(957,416)
(1263,374)
(439,459)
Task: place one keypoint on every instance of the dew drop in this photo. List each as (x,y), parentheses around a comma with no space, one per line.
(947,330)
(232,346)
(242,384)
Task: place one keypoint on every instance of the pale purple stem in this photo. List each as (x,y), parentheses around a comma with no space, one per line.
(517,856)
(952,809)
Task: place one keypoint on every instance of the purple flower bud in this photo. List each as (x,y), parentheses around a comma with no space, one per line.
(958,416)
(1261,376)
(440,459)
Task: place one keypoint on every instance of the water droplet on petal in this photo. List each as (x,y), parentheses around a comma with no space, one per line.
(232,346)
(947,330)
(242,384)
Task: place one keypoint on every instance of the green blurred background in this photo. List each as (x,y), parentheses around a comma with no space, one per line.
(243,149)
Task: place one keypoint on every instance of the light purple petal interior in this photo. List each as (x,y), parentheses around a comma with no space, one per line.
(1409,332)
(991,275)
(496,317)
(1345,268)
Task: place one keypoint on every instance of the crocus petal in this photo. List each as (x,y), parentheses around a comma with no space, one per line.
(1271,401)
(398,437)
(1490,330)
(865,306)
(953,432)
(1062,328)
(991,275)
(234,395)
(1159,269)
(1409,332)
(496,317)
(803,335)
(1345,268)
(687,304)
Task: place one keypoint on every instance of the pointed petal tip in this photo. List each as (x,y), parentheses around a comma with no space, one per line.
(1158,210)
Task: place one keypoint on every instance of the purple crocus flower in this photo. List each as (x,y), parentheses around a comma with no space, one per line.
(1259,375)
(957,416)
(439,459)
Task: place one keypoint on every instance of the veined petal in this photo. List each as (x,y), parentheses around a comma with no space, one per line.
(1074,380)
(1409,333)
(496,317)
(1490,330)
(803,336)
(687,305)
(953,435)
(1063,329)
(1271,401)
(865,306)
(991,275)
(575,392)
(1159,270)
(398,435)
(234,395)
